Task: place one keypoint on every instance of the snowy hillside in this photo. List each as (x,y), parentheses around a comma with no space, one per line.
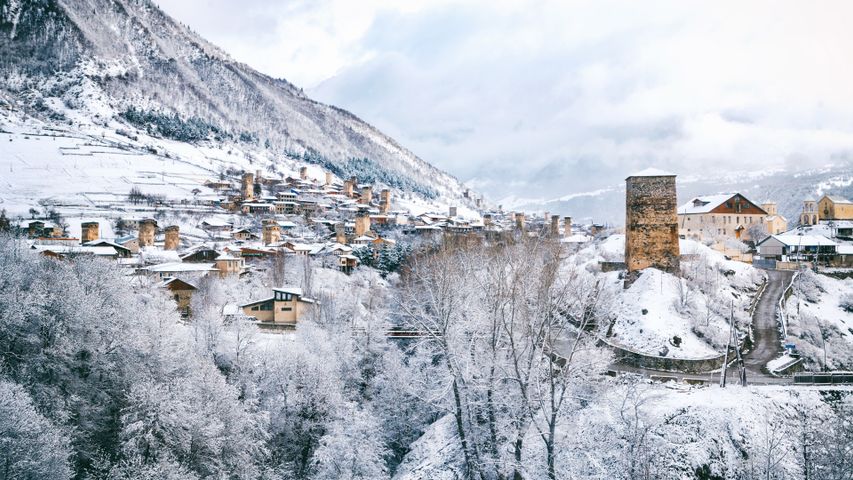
(654,431)
(677,317)
(87,68)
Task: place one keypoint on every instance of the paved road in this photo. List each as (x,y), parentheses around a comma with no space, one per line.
(765,326)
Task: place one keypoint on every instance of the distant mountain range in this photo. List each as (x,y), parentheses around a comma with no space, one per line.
(124,65)
(787,188)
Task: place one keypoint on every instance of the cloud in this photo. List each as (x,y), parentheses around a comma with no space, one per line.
(560,97)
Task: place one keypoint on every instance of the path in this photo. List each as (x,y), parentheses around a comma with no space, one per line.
(765,325)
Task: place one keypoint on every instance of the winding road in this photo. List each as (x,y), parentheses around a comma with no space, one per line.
(765,326)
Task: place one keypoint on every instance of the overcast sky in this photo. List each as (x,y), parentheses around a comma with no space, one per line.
(542,99)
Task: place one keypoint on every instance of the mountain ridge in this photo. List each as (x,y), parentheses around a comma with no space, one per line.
(100,58)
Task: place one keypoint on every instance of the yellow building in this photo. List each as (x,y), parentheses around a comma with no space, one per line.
(834,208)
(285,307)
(774,223)
(182,292)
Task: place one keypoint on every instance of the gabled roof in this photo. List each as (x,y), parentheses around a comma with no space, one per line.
(793,240)
(288,289)
(177,284)
(704,204)
(837,199)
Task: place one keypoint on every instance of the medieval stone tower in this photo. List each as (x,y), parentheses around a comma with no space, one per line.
(303,173)
(519,221)
(340,233)
(366,195)
(147,230)
(89,232)
(385,201)
(349,185)
(173,238)
(651,222)
(271,232)
(248,187)
(555,225)
(567,226)
(328,179)
(452,211)
(362,224)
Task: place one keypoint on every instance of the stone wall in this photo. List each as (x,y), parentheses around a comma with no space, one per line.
(651,223)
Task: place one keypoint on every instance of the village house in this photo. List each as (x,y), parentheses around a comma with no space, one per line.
(720,216)
(285,307)
(243,235)
(182,292)
(121,250)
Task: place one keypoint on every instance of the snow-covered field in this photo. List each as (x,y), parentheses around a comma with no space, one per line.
(820,320)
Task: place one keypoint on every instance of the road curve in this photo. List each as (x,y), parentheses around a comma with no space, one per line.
(766,338)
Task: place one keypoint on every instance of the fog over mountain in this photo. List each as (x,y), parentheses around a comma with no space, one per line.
(548,99)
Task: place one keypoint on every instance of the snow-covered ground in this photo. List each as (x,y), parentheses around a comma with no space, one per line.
(820,320)
(678,317)
(674,432)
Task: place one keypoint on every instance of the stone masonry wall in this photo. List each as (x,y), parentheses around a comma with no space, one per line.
(651,224)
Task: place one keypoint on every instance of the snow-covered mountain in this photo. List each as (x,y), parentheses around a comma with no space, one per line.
(125,72)
(787,187)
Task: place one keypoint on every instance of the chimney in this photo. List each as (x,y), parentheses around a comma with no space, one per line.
(248,189)
(89,232)
(271,232)
(340,234)
(362,224)
(452,212)
(366,195)
(147,229)
(173,238)
(519,221)
(328,178)
(555,225)
(567,226)
(303,173)
(385,201)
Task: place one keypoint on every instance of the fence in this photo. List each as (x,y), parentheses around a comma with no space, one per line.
(828,378)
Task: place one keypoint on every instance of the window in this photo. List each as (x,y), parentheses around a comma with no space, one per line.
(255,308)
(286,309)
(266,307)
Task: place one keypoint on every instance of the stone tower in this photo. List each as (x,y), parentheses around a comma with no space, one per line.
(248,187)
(173,238)
(385,201)
(349,185)
(519,221)
(271,232)
(770,208)
(147,230)
(328,178)
(303,173)
(340,233)
(366,195)
(89,232)
(452,211)
(567,226)
(555,225)
(362,224)
(651,222)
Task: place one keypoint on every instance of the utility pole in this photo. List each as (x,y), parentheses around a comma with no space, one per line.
(726,355)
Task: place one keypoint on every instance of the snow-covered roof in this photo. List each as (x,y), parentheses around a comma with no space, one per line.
(288,289)
(704,204)
(181,267)
(792,240)
(76,249)
(837,199)
(652,172)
